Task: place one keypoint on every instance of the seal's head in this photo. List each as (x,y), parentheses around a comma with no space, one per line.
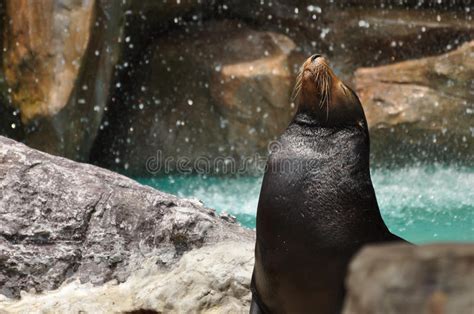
(323,97)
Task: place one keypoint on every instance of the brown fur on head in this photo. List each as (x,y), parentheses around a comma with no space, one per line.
(322,95)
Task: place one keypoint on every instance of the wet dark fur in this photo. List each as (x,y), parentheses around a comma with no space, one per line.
(317,208)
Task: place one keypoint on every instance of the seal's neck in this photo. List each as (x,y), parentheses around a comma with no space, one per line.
(305,118)
(343,111)
(308,121)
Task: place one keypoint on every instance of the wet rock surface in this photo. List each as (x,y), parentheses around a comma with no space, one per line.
(59,57)
(363,37)
(61,220)
(220,91)
(412,279)
(361,34)
(421,105)
(197,79)
(60,38)
(196,96)
(160,13)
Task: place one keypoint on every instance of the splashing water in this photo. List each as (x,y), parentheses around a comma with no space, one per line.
(420,203)
(236,196)
(427,204)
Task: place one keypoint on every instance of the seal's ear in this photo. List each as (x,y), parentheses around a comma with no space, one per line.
(346,90)
(349,93)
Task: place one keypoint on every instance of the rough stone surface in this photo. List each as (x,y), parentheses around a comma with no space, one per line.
(357,34)
(59,59)
(61,220)
(157,13)
(45,43)
(422,106)
(60,56)
(212,279)
(363,37)
(212,89)
(10,124)
(429,279)
(222,90)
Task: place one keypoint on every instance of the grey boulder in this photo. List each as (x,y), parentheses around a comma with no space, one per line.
(61,220)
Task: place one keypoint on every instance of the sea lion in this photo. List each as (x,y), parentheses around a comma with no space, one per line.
(317,205)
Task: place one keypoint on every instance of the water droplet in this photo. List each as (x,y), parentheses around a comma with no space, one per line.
(324,32)
(364,24)
(313,8)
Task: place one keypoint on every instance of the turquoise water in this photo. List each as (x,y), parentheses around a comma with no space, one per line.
(422,204)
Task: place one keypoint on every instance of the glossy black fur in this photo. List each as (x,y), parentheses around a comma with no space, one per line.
(317,208)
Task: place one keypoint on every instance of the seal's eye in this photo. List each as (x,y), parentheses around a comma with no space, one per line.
(314,57)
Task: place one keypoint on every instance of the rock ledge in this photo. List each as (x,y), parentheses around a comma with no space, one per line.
(61,220)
